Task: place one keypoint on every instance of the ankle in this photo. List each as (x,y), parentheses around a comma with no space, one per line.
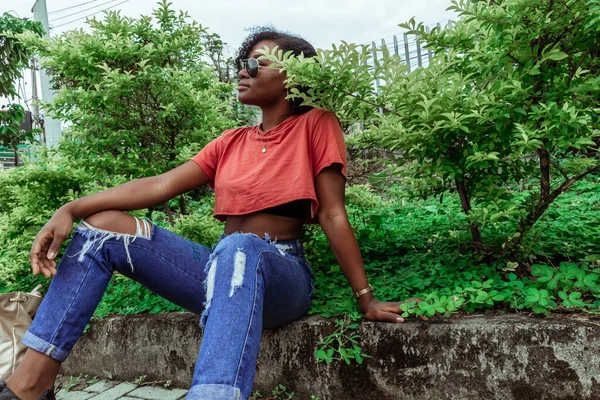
(26,389)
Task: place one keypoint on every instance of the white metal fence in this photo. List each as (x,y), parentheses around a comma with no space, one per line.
(410,50)
(408,47)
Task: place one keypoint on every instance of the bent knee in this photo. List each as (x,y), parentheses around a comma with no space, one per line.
(113,221)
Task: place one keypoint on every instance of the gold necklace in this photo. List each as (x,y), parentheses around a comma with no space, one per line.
(264,149)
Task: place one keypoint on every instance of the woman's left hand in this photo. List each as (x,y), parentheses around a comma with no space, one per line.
(385,311)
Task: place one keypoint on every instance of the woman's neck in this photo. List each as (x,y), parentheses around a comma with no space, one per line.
(272,117)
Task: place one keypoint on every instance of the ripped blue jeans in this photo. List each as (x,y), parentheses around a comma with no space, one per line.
(244,284)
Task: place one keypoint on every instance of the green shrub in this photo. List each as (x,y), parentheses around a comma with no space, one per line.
(29,195)
(410,248)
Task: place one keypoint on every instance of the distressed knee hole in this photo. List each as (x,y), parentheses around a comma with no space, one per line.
(143,228)
(96,235)
(239,267)
(209,287)
(237,279)
(119,223)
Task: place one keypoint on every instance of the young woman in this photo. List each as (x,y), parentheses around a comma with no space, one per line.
(269,180)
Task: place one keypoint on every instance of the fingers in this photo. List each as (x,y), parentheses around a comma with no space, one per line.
(388,312)
(417,300)
(381,315)
(393,309)
(46,267)
(35,267)
(55,246)
(39,255)
(35,253)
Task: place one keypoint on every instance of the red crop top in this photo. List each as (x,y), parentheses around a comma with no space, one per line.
(247,180)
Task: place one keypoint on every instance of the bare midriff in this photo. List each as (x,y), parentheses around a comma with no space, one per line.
(259,223)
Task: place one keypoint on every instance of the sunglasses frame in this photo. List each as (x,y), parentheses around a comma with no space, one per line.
(244,65)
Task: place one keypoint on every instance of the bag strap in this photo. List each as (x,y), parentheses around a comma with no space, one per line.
(20,297)
(36,291)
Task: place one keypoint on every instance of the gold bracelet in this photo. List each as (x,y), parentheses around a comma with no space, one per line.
(364,291)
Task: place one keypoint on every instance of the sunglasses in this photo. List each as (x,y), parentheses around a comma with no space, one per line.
(252,66)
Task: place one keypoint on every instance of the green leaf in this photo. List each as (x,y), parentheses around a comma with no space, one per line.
(557,56)
(320,354)
(574,296)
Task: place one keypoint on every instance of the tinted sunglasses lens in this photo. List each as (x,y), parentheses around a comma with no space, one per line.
(252,67)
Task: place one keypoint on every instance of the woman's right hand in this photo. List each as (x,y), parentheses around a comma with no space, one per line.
(133,195)
(47,242)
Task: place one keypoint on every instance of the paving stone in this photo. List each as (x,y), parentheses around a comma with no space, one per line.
(100,386)
(158,393)
(116,392)
(77,395)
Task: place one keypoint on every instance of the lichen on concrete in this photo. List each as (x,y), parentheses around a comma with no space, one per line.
(496,357)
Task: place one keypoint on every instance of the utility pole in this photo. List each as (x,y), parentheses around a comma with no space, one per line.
(34,100)
(50,126)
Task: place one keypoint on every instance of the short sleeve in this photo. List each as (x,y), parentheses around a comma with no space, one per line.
(208,158)
(328,145)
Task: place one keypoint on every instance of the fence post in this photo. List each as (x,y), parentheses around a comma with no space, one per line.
(375,66)
(406,51)
(429,52)
(419,61)
(396,46)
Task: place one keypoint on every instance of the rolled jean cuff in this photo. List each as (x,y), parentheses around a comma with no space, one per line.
(214,392)
(37,344)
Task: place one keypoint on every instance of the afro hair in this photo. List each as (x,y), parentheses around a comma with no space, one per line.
(286,42)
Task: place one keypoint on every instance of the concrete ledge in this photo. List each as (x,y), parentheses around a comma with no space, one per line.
(499,357)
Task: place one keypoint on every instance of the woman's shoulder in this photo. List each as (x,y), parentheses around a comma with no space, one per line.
(319,116)
(317,113)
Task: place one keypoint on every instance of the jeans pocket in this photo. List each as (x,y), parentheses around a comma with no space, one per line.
(308,268)
(311,276)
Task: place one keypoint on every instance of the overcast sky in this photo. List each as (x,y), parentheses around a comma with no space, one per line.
(321,22)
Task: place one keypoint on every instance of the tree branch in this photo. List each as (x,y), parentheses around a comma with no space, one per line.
(373,104)
(559,169)
(514,58)
(567,184)
(583,57)
(544,172)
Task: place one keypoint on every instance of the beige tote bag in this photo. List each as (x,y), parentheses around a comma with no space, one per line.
(16,312)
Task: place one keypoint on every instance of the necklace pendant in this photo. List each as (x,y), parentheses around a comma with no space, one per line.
(264,150)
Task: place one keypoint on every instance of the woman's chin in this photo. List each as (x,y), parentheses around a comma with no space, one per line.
(244,100)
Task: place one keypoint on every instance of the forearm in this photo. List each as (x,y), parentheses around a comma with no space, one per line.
(133,195)
(345,248)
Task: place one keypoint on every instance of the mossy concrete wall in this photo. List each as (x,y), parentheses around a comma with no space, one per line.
(498,357)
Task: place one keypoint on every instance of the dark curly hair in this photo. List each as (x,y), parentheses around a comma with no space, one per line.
(286,42)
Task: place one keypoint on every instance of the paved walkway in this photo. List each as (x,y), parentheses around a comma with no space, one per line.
(85,387)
